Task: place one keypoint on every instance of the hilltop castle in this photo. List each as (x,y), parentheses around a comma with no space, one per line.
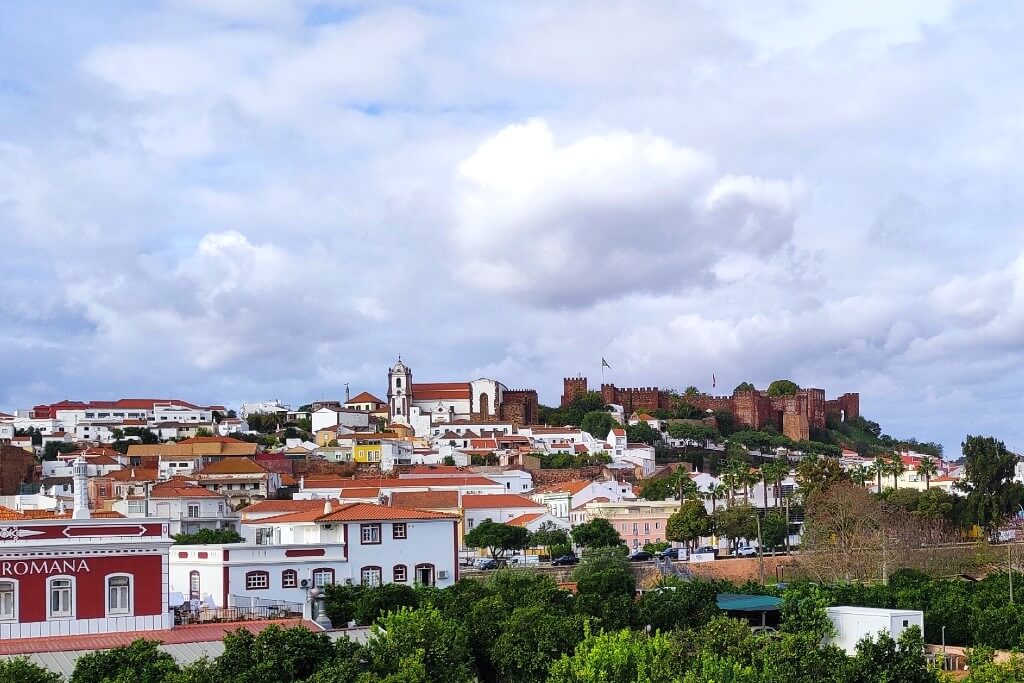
(796,416)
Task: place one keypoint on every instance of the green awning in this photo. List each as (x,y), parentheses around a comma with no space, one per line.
(733,602)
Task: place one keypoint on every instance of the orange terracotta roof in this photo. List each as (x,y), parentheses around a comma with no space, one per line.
(133,474)
(440,391)
(425,499)
(339,482)
(351,512)
(498,500)
(523,520)
(618,431)
(53,514)
(9,514)
(280,506)
(358,512)
(233,466)
(435,469)
(360,492)
(570,487)
(182,491)
(198,633)
(365,397)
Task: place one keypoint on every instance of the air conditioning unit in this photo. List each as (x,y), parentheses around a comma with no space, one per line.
(442,574)
(304,583)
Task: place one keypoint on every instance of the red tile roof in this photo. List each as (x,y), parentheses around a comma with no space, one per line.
(281,506)
(498,500)
(339,482)
(441,391)
(523,520)
(352,512)
(425,499)
(570,487)
(365,397)
(233,466)
(434,469)
(9,514)
(197,633)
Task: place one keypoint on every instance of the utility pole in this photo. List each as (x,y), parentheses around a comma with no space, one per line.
(1009,569)
(760,548)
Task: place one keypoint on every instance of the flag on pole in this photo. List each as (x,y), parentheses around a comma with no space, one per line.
(714,381)
(604,363)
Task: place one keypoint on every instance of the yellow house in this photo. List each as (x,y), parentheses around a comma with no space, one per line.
(366,452)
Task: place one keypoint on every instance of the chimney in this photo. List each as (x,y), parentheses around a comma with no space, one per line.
(80,475)
(328,508)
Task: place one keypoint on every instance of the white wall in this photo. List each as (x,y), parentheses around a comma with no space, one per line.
(853,623)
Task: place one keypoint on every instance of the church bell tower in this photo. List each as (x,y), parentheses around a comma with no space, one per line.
(399,392)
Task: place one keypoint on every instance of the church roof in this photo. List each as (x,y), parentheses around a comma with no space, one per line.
(440,391)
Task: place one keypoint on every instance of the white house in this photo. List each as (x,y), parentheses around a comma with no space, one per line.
(562,498)
(336,487)
(330,416)
(286,554)
(187,506)
(497,508)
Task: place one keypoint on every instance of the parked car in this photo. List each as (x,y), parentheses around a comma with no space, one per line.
(490,564)
(674,553)
(746,551)
(706,549)
(641,556)
(565,560)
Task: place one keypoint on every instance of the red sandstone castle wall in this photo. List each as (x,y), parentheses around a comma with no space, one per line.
(571,388)
(520,406)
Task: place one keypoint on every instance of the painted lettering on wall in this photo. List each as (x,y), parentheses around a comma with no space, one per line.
(22,568)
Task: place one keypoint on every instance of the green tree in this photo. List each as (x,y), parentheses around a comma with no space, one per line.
(620,657)
(927,468)
(605,587)
(689,523)
(805,610)
(895,469)
(55,448)
(439,643)
(21,670)
(885,659)
(991,492)
(548,536)
(581,405)
(499,539)
(744,386)
(655,547)
(773,530)
(676,604)
(209,537)
(379,600)
(598,423)
(532,639)
(783,387)
(277,654)
(736,522)
(642,432)
(815,473)
(204,431)
(597,533)
(142,661)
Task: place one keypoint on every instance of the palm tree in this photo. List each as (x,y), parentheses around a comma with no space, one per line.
(776,471)
(879,469)
(731,475)
(860,474)
(927,468)
(715,493)
(896,468)
(749,478)
(687,487)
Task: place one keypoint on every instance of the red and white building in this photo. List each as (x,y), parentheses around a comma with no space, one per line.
(313,543)
(69,575)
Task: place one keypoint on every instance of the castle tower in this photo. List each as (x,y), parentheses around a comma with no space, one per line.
(572,387)
(399,392)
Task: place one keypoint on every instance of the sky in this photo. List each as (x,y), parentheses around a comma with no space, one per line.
(240,200)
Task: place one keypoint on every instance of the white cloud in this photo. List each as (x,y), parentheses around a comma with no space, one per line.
(606,215)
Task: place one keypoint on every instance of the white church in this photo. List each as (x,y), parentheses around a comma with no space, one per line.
(425,405)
